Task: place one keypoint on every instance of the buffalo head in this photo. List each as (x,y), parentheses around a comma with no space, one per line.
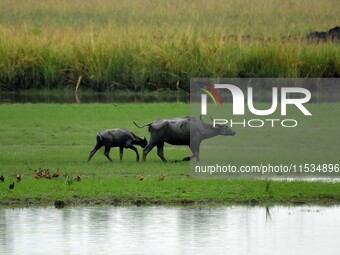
(225,130)
(143,142)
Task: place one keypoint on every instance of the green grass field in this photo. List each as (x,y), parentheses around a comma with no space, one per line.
(61,136)
(155,45)
(151,45)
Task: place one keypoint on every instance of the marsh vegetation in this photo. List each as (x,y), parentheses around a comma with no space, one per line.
(152,45)
(60,136)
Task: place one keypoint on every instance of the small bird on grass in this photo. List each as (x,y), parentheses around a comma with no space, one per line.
(47,174)
(161,177)
(18,177)
(40,173)
(36,176)
(2,178)
(56,174)
(79,178)
(11,186)
(141,177)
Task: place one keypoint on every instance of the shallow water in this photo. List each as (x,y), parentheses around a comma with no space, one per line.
(322,94)
(170,230)
(108,97)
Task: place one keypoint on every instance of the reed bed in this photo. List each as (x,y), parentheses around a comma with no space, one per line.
(151,45)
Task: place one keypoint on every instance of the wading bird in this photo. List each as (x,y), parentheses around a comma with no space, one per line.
(56,174)
(47,174)
(18,177)
(40,173)
(36,176)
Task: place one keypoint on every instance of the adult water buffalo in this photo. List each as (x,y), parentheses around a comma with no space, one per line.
(118,137)
(332,34)
(181,131)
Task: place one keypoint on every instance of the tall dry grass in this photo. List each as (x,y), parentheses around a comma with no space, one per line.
(153,44)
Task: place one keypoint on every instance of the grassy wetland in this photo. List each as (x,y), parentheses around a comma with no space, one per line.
(61,136)
(151,45)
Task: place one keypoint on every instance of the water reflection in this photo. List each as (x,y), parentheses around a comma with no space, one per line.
(329,93)
(163,230)
(109,97)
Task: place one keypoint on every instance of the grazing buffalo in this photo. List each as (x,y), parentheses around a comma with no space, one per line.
(332,34)
(181,131)
(118,137)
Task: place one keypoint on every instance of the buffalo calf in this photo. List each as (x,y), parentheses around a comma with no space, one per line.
(118,137)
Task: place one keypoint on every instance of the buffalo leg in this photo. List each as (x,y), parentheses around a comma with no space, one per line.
(121,153)
(186,159)
(195,154)
(147,149)
(107,151)
(94,150)
(160,151)
(191,157)
(135,150)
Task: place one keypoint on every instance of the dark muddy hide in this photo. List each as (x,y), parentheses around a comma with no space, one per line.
(118,137)
(332,35)
(181,131)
